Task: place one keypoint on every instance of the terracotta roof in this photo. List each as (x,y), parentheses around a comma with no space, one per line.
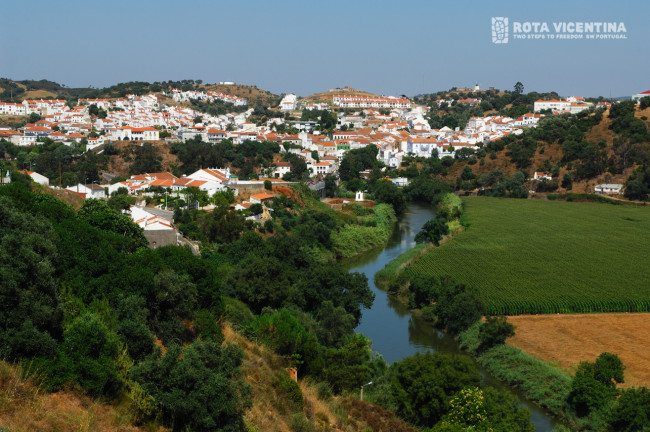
(262,196)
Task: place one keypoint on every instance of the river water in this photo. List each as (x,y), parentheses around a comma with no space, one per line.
(394,332)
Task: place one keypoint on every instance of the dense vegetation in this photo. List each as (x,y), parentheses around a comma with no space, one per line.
(502,252)
(100,299)
(54,159)
(245,158)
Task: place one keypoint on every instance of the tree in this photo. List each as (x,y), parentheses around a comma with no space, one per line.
(146,160)
(256,209)
(424,384)
(632,412)
(457,306)
(385,191)
(90,350)
(594,384)
(268,185)
(330,186)
(567,181)
(121,202)
(348,367)
(433,231)
(30,315)
(197,387)
(494,331)
(644,102)
(34,117)
(99,214)
(519,88)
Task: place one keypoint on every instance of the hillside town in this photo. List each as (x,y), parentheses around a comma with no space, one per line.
(396,126)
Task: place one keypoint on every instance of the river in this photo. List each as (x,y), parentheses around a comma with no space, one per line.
(394,332)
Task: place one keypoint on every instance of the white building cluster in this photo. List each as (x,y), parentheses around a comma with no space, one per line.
(572,104)
(209,96)
(356,101)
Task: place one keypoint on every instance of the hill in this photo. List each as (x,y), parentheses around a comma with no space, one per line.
(552,158)
(29,89)
(327,96)
(25,407)
(252,94)
(273,409)
(534,256)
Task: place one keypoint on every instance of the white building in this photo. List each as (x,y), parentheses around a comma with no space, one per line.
(38,178)
(609,188)
(288,103)
(553,105)
(637,97)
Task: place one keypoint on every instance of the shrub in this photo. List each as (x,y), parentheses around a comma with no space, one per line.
(289,390)
(494,332)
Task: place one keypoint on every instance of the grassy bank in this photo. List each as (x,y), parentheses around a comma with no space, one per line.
(371,227)
(538,380)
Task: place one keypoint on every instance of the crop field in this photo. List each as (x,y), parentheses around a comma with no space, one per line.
(534,256)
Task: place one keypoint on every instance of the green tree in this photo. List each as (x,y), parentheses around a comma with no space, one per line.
(632,411)
(98,213)
(433,231)
(457,306)
(90,350)
(494,331)
(644,102)
(567,181)
(146,160)
(594,384)
(30,315)
(423,385)
(519,88)
(349,367)
(330,186)
(197,387)
(385,191)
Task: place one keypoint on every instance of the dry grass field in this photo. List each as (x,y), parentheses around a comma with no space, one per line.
(566,340)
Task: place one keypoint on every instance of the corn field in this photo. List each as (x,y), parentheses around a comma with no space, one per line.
(542,257)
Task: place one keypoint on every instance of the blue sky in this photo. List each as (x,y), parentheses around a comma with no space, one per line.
(387,47)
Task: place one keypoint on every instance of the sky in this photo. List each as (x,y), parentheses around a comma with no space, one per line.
(386,47)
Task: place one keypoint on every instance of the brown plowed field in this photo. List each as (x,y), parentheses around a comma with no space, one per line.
(566,340)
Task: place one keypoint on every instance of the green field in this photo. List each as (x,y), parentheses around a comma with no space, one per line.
(533,256)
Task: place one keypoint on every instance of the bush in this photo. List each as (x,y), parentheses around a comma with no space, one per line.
(424,384)
(450,207)
(289,390)
(494,332)
(457,307)
(324,391)
(239,315)
(299,423)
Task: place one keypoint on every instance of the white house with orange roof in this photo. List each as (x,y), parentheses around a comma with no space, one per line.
(38,178)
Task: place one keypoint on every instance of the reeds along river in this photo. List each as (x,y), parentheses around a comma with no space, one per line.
(394,332)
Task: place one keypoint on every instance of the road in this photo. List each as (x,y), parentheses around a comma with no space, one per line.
(158,212)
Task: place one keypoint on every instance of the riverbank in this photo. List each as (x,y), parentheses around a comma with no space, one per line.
(373,229)
(396,332)
(539,382)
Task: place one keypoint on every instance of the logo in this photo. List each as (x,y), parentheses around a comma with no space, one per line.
(500,30)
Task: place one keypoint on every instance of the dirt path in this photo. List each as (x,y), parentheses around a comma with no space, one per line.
(566,340)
